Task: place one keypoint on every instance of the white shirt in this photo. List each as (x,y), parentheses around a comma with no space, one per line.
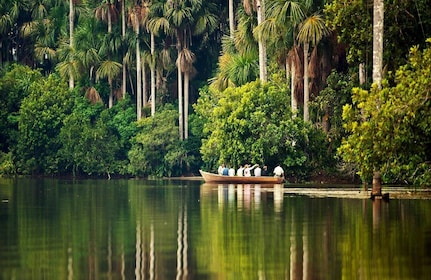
(278,171)
(240,171)
(231,172)
(247,171)
(258,172)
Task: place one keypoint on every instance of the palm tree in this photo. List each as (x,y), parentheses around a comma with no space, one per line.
(69,67)
(312,30)
(283,18)
(107,12)
(259,7)
(109,69)
(238,63)
(137,15)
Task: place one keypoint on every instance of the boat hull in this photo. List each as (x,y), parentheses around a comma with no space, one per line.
(215,178)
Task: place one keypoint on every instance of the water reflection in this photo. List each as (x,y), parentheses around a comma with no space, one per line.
(184,230)
(245,196)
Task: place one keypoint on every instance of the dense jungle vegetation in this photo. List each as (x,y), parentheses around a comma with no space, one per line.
(163,88)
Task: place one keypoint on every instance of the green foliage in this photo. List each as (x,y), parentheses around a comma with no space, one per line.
(391,128)
(156,149)
(406,23)
(89,145)
(253,124)
(14,85)
(327,107)
(7,166)
(41,117)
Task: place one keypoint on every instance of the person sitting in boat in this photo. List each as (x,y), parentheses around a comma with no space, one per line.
(225,171)
(220,169)
(248,169)
(240,171)
(258,171)
(231,171)
(278,171)
(265,171)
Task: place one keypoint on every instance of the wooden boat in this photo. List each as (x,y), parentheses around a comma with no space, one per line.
(216,178)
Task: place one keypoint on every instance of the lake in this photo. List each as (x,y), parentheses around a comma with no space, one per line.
(178,229)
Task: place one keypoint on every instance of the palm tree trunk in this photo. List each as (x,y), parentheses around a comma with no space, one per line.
(123,33)
(138,77)
(262,47)
(111,91)
(306,87)
(109,20)
(71,28)
(231,19)
(361,73)
(180,104)
(186,105)
(144,85)
(111,94)
(153,76)
(293,101)
(180,89)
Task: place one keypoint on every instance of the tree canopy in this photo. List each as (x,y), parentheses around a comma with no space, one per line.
(391,128)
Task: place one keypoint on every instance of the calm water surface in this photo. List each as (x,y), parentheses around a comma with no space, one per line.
(136,229)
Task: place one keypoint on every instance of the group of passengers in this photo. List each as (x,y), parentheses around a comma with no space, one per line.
(249,170)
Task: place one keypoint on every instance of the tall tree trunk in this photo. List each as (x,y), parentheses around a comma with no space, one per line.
(231,19)
(186,105)
(262,48)
(123,34)
(180,88)
(293,101)
(361,73)
(71,41)
(378,18)
(111,95)
(138,77)
(180,104)
(153,76)
(109,19)
(111,90)
(306,86)
(144,85)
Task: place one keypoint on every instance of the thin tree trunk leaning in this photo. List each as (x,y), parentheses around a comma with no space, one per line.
(71,41)
(306,87)
(378,17)
(262,48)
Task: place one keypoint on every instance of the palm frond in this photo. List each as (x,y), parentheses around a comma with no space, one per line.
(313,29)
(108,69)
